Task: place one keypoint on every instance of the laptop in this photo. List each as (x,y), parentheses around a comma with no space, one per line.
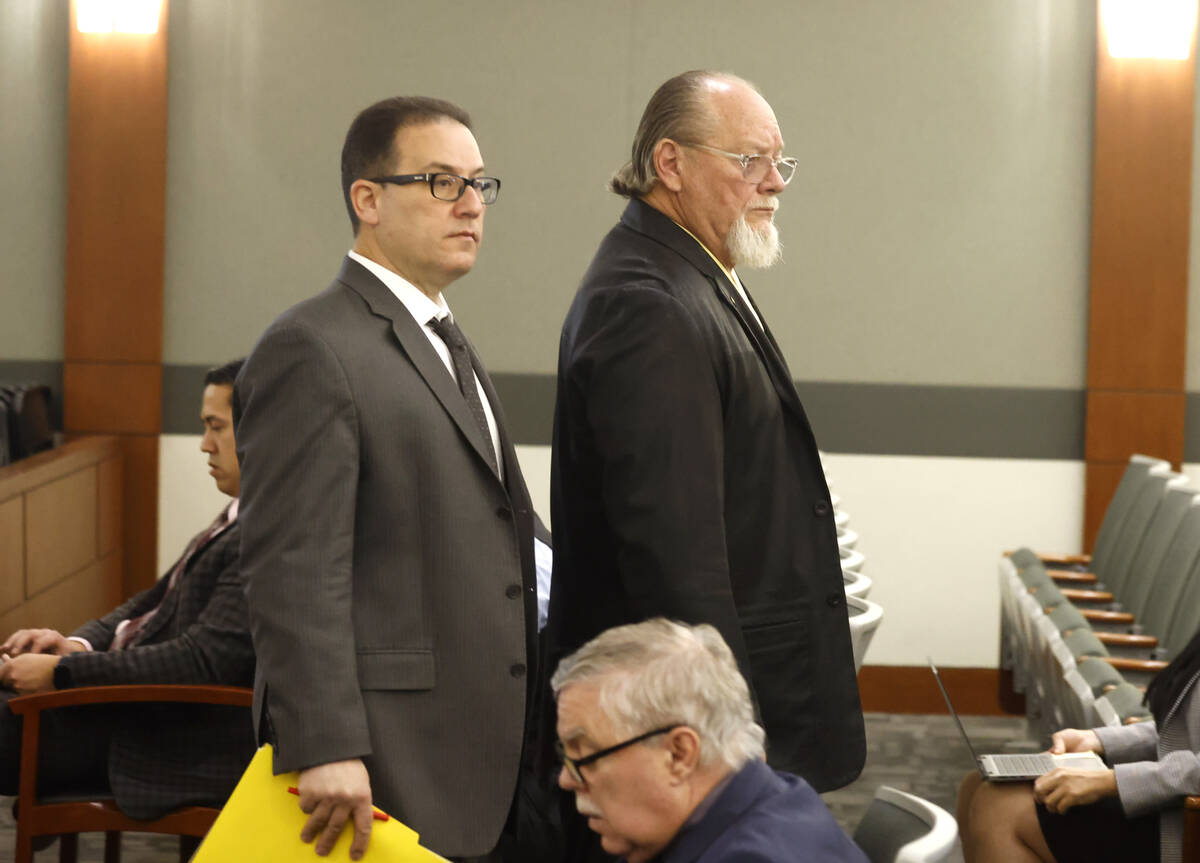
(1018,768)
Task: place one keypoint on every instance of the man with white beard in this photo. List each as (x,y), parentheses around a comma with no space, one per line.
(686,481)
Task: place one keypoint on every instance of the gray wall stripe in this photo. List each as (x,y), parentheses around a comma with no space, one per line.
(871,419)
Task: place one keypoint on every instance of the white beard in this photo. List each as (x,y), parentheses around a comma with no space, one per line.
(756,249)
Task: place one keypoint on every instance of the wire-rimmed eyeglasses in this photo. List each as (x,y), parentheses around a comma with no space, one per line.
(755,166)
(447,187)
(573,765)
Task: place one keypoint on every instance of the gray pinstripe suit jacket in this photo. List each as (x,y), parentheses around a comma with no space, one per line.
(162,757)
(389,572)
(1156,770)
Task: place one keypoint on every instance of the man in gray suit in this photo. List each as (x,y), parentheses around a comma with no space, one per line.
(387,535)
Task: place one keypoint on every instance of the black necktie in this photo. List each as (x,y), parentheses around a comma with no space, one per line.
(449,333)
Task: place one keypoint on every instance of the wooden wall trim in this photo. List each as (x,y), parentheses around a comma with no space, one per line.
(911,689)
(1141,234)
(115,248)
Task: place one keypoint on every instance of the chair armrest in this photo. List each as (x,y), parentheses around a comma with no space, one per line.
(1122,639)
(234,696)
(1123,663)
(1087,595)
(1052,559)
(1191,829)
(1069,576)
(1097,615)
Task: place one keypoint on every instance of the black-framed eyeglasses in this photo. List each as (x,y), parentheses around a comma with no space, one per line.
(574,765)
(447,187)
(755,166)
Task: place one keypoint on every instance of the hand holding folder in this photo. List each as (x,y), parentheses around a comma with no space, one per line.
(262,822)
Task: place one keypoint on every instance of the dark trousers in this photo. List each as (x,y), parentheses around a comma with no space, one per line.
(72,750)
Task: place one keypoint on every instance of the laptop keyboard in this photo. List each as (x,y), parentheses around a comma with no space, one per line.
(1023,764)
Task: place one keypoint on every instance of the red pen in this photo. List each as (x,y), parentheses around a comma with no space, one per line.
(375,813)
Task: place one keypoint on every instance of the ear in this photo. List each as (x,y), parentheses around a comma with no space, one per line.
(683,747)
(365,198)
(667,155)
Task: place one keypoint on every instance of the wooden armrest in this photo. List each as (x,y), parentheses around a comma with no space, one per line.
(1065,559)
(1069,576)
(1100,616)
(1122,663)
(1122,639)
(1191,828)
(234,696)
(1087,595)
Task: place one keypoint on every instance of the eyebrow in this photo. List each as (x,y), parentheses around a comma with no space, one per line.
(443,168)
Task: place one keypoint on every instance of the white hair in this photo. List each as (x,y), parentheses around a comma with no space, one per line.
(659,673)
(753,248)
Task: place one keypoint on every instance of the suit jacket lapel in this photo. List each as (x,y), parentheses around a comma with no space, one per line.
(422,355)
(643,218)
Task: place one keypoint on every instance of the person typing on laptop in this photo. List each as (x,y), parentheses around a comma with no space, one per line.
(1132,811)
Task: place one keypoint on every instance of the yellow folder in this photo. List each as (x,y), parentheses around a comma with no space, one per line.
(262,822)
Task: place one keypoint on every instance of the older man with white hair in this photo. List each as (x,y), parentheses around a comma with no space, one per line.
(660,748)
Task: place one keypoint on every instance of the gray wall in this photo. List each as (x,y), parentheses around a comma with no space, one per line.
(936,232)
(33,148)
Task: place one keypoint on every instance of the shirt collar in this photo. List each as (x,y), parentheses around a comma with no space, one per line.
(419,305)
(730,274)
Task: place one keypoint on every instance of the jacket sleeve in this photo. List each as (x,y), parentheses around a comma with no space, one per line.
(1136,742)
(99,633)
(297,438)
(654,407)
(215,648)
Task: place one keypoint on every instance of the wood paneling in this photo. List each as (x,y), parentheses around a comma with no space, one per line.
(911,689)
(107,398)
(116,206)
(87,594)
(1141,230)
(108,503)
(116,193)
(139,502)
(1120,423)
(12,553)
(54,507)
(60,529)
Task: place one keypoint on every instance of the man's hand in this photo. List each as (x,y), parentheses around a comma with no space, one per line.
(1066,787)
(1074,740)
(31,672)
(39,641)
(330,794)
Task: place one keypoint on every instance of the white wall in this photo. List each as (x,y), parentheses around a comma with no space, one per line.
(931,529)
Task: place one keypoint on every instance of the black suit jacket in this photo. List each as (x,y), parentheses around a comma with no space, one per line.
(162,757)
(686,483)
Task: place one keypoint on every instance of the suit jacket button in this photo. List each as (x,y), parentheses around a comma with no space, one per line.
(517,670)
(835,599)
(504,512)
(512,591)
(821,508)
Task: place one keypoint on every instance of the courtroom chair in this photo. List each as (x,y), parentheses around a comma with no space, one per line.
(902,828)
(1122,706)
(67,815)
(856,584)
(865,617)
(852,559)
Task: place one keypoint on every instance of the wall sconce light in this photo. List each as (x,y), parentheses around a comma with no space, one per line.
(117,16)
(1158,29)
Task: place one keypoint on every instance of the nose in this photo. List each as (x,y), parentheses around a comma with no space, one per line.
(206,443)
(772,183)
(566,781)
(471,202)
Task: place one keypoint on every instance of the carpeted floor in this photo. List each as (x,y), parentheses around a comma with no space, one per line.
(920,754)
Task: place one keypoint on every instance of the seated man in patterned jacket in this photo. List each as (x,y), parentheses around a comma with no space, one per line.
(191,627)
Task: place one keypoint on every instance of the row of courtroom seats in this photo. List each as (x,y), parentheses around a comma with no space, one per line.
(864,615)
(25,425)
(1114,626)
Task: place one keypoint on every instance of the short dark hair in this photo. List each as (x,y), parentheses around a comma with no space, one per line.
(224,375)
(369,151)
